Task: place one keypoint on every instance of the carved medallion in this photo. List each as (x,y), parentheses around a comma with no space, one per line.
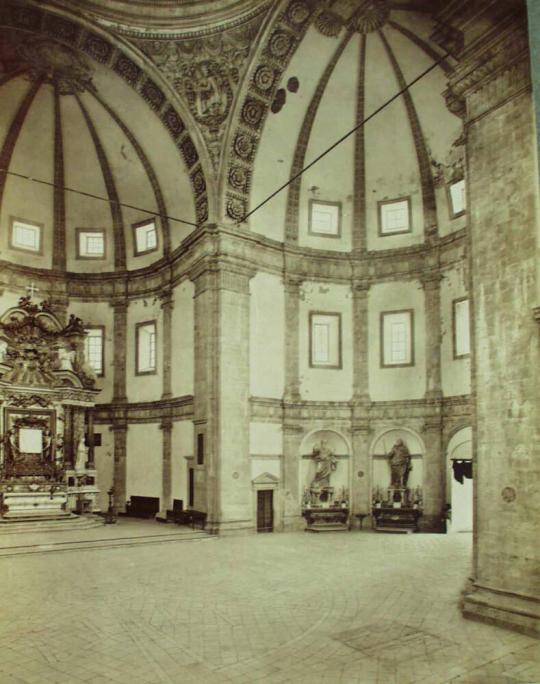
(508,494)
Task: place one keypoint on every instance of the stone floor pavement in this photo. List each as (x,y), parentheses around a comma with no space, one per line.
(358,607)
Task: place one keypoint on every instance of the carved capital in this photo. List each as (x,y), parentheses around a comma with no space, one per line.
(292,284)
(166,298)
(431,281)
(119,305)
(536,314)
(360,288)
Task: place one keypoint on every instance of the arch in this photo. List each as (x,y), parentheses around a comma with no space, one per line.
(309,435)
(397,428)
(459,495)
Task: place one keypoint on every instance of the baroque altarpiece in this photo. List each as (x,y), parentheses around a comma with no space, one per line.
(47,397)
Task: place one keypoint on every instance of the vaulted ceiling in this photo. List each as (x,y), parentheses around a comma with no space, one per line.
(199,110)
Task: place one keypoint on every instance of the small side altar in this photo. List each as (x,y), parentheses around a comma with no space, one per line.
(47,397)
(324,509)
(399,507)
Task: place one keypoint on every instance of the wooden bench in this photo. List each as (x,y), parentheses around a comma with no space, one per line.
(142,506)
(192,518)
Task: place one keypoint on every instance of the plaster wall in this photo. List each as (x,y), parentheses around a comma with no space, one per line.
(182,447)
(326,384)
(456,372)
(183,340)
(265,438)
(276,150)
(267,336)
(143,387)
(334,178)
(24,199)
(144,460)
(99,313)
(104,460)
(409,382)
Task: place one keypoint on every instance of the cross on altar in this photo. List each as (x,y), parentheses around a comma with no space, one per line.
(31,289)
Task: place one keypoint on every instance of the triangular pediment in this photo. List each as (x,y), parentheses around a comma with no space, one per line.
(265,478)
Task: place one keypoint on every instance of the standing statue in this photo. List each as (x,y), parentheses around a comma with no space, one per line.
(82,457)
(399,458)
(326,463)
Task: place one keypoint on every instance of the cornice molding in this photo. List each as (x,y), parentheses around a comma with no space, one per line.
(224,247)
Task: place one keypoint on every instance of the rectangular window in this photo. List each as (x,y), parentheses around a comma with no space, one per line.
(457,195)
(145,237)
(146,347)
(324,340)
(200,448)
(395,216)
(460,316)
(26,235)
(90,243)
(94,349)
(397,338)
(324,218)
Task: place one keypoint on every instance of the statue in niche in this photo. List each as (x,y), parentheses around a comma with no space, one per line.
(82,457)
(399,458)
(326,463)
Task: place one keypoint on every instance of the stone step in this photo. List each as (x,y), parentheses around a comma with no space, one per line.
(116,542)
(36,524)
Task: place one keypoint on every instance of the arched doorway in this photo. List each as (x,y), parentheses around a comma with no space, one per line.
(459,490)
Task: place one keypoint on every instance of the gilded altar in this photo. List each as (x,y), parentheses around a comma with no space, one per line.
(47,397)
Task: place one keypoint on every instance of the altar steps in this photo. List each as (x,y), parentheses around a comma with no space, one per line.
(112,543)
(35,524)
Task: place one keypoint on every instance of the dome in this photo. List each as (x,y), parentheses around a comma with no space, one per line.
(104,163)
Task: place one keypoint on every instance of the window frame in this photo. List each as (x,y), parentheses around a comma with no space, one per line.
(138,326)
(327,203)
(454,327)
(32,224)
(411,363)
(453,214)
(395,200)
(140,224)
(95,231)
(102,328)
(339,365)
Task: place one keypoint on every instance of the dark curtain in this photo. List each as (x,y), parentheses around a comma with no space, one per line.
(462,469)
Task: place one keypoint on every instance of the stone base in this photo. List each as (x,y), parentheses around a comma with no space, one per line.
(293,523)
(230,527)
(20,505)
(497,607)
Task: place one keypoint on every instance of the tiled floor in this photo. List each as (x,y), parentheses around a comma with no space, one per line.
(357,607)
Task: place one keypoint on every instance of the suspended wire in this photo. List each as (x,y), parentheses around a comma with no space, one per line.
(271,196)
(98,197)
(344,137)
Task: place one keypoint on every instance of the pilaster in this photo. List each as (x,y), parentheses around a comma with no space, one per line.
(431,282)
(120,308)
(166,427)
(119,429)
(222,390)
(167,306)
(292,285)
(292,439)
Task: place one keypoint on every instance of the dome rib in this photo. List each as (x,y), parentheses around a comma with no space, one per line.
(112,193)
(359,180)
(426,179)
(419,42)
(59,202)
(293,191)
(13,133)
(149,169)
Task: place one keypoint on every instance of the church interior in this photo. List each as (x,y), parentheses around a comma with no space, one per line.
(270,266)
